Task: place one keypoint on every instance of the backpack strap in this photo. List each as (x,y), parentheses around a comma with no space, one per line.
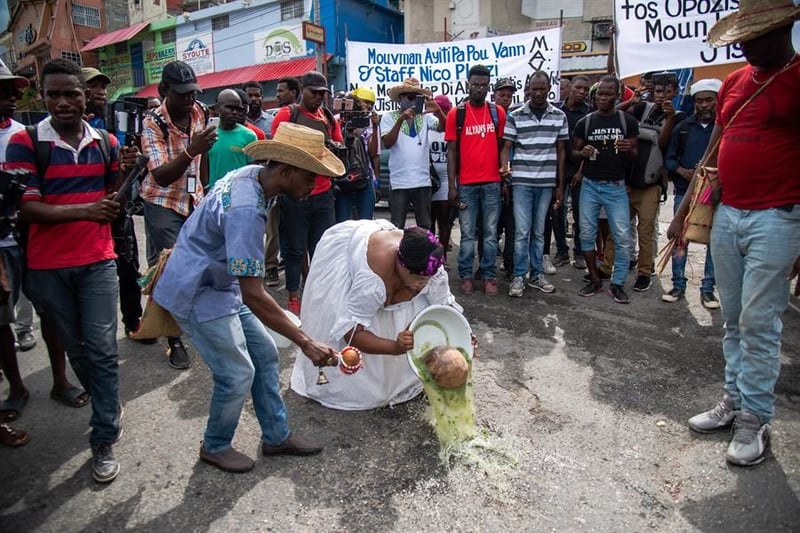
(494,115)
(41,151)
(105,149)
(587,126)
(683,134)
(293,112)
(461,116)
(623,123)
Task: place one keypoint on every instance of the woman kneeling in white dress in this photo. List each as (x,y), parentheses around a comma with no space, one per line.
(366,283)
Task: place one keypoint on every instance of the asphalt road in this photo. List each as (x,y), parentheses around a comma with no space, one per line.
(581,405)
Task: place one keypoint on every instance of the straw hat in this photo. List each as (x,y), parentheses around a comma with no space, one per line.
(409,85)
(754,19)
(298,146)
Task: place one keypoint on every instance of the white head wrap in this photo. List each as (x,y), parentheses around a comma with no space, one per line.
(710,84)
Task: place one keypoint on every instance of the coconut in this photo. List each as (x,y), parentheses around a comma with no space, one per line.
(447,366)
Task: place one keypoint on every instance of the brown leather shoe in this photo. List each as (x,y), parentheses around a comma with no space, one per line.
(228,460)
(294,445)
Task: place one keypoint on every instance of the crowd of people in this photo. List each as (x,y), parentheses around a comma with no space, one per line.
(234,193)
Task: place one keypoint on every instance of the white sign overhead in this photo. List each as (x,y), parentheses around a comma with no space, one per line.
(197,51)
(443,67)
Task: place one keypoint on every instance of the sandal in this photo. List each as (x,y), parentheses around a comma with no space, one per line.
(11,409)
(71,397)
(13,437)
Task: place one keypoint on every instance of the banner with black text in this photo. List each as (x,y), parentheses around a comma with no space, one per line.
(443,67)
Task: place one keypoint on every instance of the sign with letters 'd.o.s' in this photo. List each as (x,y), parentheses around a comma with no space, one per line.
(443,67)
(655,35)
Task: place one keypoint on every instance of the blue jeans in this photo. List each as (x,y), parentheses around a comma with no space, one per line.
(304,222)
(679,254)
(82,303)
(242,357)
(363,200)
(753,254)
(483,197)
(613,196)
(530,210)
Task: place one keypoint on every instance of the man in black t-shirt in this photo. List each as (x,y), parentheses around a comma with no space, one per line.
(606,140)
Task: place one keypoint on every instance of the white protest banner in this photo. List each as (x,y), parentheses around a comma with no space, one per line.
(443,67)
(656,35)
(197,51)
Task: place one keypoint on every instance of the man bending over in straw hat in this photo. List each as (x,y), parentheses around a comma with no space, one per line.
(755,238)
(212,285)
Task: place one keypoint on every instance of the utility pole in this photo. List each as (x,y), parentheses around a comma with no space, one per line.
(319,48)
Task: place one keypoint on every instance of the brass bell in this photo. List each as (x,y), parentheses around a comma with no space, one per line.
(322,379)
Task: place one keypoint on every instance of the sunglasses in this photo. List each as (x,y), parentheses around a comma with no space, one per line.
(235,108)
(9,92)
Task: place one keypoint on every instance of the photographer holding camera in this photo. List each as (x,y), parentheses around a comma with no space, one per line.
(356,189)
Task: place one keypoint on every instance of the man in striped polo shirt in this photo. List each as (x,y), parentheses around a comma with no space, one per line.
(71,276)
(538,133)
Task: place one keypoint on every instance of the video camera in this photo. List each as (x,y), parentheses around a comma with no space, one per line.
(350,116)
(126,116)
(12,186)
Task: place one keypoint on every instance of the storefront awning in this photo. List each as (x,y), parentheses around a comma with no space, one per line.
(105,39)
(237,76)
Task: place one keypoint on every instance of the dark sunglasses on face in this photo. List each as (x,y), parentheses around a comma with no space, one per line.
(8,92)
(235,108)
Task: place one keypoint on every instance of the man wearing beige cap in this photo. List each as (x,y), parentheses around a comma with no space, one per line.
(755,238)
(212,285)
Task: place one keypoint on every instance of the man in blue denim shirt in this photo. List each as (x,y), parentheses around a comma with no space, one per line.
(687,145)
(212,285)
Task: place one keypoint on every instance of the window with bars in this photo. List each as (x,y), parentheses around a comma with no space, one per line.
(74,56)
(220,23)
(168,36)
(291,9)
(85,16)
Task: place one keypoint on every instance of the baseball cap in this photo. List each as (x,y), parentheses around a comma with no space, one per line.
(180,77)
(90,73)
(505,83)
(314,81)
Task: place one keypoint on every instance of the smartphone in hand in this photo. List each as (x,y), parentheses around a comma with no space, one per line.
(213,121)
(419,104)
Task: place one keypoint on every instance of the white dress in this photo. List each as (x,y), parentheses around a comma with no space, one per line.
(341,292)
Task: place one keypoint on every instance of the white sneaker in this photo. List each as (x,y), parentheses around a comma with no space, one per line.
(539,282)
(547,266)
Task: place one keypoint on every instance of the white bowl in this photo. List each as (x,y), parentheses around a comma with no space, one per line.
(280,340)
(439,325)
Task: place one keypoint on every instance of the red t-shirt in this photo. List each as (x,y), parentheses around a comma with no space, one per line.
(479,156)
(759,155)
(323,183)
(258,131)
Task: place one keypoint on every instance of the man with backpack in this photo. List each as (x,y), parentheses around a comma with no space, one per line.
(305,221)
(645,178)
(174,136)
(71,275)
(473,133)
(686,148)
(606,141)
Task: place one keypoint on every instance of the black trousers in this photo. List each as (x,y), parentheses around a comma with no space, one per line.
(127,250)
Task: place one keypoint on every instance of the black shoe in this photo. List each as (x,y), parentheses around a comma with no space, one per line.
(178,356)
(620,296)
(643,283)
(105,467)
(27,341)
(294,445)
(672,296)
(591,288)
(272,279)
(600,272)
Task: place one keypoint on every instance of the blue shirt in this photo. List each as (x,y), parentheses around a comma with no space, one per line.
(222,240)
(686,152)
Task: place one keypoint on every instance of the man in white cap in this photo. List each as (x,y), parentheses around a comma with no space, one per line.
(687,145)
(755,239)
(212,285)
